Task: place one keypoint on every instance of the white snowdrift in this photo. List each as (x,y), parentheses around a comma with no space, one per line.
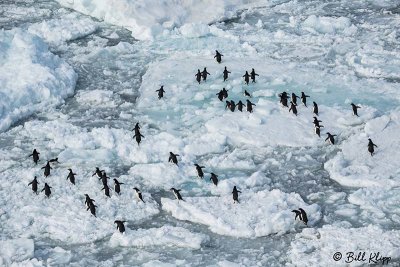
(164,236)
(258,214)
(31,78)
(17,252)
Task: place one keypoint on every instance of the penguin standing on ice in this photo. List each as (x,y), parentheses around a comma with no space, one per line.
(92,208)
(247,94)
(214,178)
(173,158)
(117,186)
(355,108)
(34,184)
(198,76)
(46,190)
(331,138)
(71,176)
(47,169)
(225,92)
(176,193)
(136,128)
(106,189)
(138,194)
(199,170)
(240,105)
(298,214)
(138,136)
(235,195)
(303,216)
(315,108)
(228,105)
(249,106)
(220,95)
(161,92)
(35,156)
(226,72)
(253,75)
(371,146)
(284,99)
(120,226)
(304,98)
(246,77)
(98,172)
(88,200)
(293,108)
(204,74)
(232,106)
(218,56)
(294,98)
(104,178)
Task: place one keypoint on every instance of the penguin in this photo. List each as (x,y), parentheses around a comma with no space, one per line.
(204,74)
(199,170)
(136,128)
(139,194)
(214,178)
(138,136)
(226,73)
(120,226)
(104,178)
(247,94)
(370,147)
(253,75)
(304,98)
(117,186)
(172,157)
(249,106)
(284,99)
(331,138)
(176,193)
(98,172)
(220,95)
(316,122)
(71,176)
(303,216)
(161,92)
(54,160)
(106,189)
(228,105)
(46,190)
(293,108)
(232,106)
(240,105)
(34,184)
(225,92)
(47,169)
(294,98)
(298,214)
(246,77)
(318,130)
(315,108)
(198,76)
(235,195)
(354,107)
(88,201)
(35,156)
(92,207)
(218,56)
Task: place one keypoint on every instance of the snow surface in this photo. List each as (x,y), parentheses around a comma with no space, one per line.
(16,250)
(258,214)
(31,78)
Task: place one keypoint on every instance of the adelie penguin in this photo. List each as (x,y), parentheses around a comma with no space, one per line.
(355,108)
(318,130)
(246,78)
(235,195)
(253,75)
(240,105)
(284,99)
(117,186)
(46,190)
(104,178)
(293,108)
(225,92)
(161,92)
(218,56)
(301,214)
(199,170)
(71,176)
(298,214)
(371,146)
(120,226)
(220,95)
(204,74)
(294,98)
(316,122)
(88,201)
(106,189)
(138,136)
(214,178)
(249,106)
(315,108)
(198,76)
(304,98)
(98,172)
(232,106)
(136,128)
(47,169)
(173,158)
(34,184)
(138,194)
(35,156)
(92,207)
(176,193)
(331,138)
(226,73)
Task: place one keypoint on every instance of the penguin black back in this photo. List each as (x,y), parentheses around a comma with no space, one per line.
(35,156)
(177,193)
(303,216)
(235,194)
(199,170)
(47,190)
(120,225)
(34,184)
(214,178)
(71,176)
(47,169)
(117,186)
(173,158)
